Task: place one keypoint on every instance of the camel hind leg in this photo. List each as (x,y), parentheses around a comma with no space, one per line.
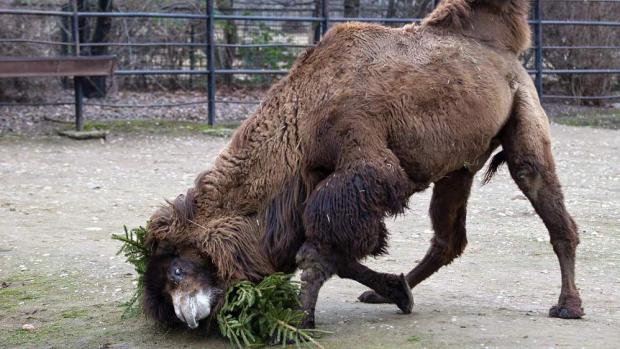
(527,148)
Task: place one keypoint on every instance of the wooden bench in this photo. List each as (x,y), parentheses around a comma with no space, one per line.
(76,66)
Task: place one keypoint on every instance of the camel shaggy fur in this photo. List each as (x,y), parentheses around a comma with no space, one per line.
(365,119)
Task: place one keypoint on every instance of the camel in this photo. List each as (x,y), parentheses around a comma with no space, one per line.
(364,120)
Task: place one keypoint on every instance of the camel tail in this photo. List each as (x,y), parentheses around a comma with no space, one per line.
(498,160)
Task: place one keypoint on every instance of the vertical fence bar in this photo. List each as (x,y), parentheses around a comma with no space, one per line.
(538,41)
(77,80)
(192,55)
(325,15)
(79,103)
(211,61)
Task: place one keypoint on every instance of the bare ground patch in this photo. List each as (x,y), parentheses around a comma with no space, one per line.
(61,200)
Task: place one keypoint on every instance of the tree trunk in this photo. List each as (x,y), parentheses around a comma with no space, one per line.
(315,29)
(408,9)
(351,8)
(226,55)
(83,29)
(95,86)
(425,7)
(391,11)
(65,36)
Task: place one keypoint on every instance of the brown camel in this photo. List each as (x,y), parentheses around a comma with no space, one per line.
(364,120)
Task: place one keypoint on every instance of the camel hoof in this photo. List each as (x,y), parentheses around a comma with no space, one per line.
(564,312)
(404,301)
(372,297)
(307,323)
(396,291)
(273,341)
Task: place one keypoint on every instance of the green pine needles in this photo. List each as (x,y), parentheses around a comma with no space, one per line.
(264,313)
(253,315)
(137,255)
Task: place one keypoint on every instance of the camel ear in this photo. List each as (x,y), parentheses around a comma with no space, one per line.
(158,226)
(233,246)
(171,219)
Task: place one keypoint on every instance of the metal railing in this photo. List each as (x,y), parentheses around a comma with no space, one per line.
(324,21)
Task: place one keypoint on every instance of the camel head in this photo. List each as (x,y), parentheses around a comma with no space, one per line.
(180,284)
(195,255)
(180,287)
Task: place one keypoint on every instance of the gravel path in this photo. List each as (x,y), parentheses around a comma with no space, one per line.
(60,200)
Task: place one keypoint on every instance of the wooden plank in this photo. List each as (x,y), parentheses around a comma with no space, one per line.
(11,67)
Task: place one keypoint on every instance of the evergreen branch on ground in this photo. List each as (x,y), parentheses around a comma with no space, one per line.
(138,255)
(264,313)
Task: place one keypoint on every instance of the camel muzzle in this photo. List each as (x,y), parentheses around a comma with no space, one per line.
(192,307)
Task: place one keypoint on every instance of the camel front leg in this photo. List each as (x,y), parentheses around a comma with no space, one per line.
(393,288)
(448,211)
(316,268)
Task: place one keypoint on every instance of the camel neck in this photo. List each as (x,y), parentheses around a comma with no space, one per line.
(261,158)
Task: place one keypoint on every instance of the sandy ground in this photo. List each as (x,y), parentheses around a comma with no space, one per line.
(60,200)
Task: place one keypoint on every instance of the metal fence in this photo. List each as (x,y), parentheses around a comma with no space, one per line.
(321,21)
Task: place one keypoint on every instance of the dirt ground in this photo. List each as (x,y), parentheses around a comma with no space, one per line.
(60,200)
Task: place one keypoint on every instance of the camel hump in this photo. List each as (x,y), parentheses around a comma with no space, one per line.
(502,21)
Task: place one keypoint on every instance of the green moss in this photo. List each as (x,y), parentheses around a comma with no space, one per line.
(19,290)
(160,126)
(414,339)
(599,118)
(17,294)
(44,334)
(73,314)
(60,315)
(9,136)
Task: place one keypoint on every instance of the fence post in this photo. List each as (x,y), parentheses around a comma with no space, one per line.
(192,54)
(325,15)
(77,80)
(211,61)
(538,41)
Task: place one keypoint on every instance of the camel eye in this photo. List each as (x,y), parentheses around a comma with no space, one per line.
(176,275)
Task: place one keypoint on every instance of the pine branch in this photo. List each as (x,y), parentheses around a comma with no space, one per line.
(301,333)
(137,254)
(255,314)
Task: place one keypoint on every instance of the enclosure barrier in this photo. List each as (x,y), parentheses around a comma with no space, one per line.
(324,21)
